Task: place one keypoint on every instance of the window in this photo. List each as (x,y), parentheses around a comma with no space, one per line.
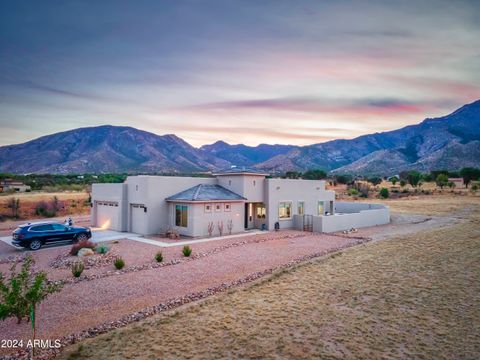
(285,210)
(208,208)
(321,208)
(301,208)
(218,207)
(181,215)
(58,227)
(227,207)
(261,212)
(42,228)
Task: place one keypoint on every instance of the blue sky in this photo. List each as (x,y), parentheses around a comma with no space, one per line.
(297,72)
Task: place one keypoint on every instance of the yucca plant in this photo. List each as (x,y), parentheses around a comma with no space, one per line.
(187,250)
(159,256)
(77,268)
(119,263)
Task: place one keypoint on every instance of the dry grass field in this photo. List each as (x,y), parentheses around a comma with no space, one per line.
(414,296)
(72,203)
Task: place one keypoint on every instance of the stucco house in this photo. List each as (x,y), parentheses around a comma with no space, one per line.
(237,200)
(13,185)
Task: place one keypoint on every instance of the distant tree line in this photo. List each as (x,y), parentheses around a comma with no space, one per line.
(414,178)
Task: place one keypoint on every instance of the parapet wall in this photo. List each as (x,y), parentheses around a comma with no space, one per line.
(347,216)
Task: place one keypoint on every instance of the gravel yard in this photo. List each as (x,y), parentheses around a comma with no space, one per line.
(112,297)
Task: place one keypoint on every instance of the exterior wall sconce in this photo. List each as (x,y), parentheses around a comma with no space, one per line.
(145,209)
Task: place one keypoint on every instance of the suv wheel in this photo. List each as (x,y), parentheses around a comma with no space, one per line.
(81,237)
(35,244)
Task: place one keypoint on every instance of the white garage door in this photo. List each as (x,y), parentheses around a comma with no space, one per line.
(138,217)
(107,214)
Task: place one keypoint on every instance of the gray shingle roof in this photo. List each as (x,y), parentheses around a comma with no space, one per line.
(204,192)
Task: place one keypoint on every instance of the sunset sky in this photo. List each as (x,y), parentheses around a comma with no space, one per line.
(296,72)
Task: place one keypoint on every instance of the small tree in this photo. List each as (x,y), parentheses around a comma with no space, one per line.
(394,180)
(220,227)
(441,180)
(210,228)
(468,174)
(314,174)
(403,183)
(230,226)
(384,193)
(375,180)
(414,178)
(23,291)
(14,205)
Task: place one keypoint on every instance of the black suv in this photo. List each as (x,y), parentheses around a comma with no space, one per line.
(34,235)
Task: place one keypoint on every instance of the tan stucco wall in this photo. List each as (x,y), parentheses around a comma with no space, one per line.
(110,193)
(294,191)
(152,191)
(249,186)
(198,219)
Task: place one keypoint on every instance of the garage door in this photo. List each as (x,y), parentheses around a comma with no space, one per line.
(138,219)
(107,214)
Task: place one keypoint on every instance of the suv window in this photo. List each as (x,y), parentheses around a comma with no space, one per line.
(58,227)
(46,227)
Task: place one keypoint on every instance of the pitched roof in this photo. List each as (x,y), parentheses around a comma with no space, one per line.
(204,192)
(241,171)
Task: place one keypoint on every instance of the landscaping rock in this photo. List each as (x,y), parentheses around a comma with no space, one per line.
(85,252)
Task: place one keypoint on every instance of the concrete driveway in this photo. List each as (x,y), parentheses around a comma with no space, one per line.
(98,235)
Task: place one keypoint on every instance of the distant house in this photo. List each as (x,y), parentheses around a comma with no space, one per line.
(13,185)
(459,183)
(240,199)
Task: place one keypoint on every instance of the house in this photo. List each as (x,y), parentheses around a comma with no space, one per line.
(459,183)
(234,199)
(13,185)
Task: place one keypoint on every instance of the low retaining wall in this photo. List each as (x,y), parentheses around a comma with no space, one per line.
(349,215)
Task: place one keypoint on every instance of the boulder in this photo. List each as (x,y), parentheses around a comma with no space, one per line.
(85,252)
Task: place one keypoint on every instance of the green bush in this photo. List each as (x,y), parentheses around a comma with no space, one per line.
(403,183)
(102,249)
(187,250)
(119,263)
(352,192)
(159,256)
(77,268)
(474,188)
(384,193)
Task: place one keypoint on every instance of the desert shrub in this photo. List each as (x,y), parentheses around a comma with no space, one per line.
(403,183)
(375,180)
(441,180)
(81,244)
(102,249)
(474,188)
(159,256)
(384,193)
(187,250)
(43,209)
(77,268)
(119,263)
(352,192)
(14,205)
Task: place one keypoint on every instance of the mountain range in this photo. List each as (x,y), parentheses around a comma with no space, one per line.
(448,142)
